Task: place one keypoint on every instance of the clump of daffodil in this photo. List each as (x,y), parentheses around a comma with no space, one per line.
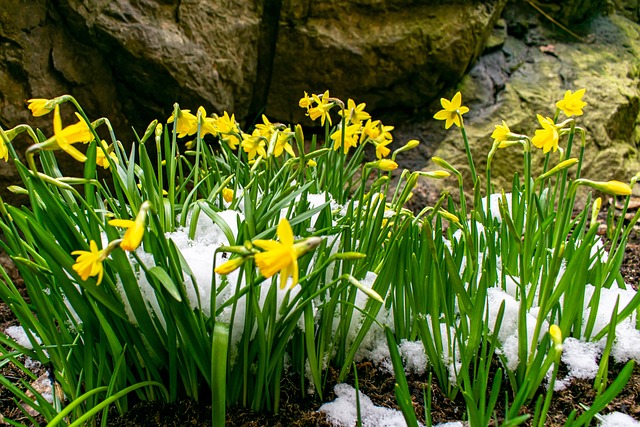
(135,228)
(89,263)
(572,103)
(283,256)
(452,111)
(547,137)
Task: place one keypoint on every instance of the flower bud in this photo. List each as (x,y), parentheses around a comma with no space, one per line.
(556,336)
(385,165)
(230,266)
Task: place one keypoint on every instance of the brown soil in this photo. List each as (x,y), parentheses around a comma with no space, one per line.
(378,385)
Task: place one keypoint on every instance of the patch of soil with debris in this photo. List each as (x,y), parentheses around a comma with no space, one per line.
(376,383)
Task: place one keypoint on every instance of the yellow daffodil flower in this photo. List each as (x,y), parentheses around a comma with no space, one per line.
(282,144)
(253,144)
(312,163)
(78,132)
(89,263)
(135,229)
(283,256)
(501,133)
(40,106)
(207,124)
(350,137)
(452,111)
(305,101)
(4,151)
(547,137)
(186,123)
(322,109)
(381,148)
(266,128)
(230,266)
(227,194)
(227,129)
(355,113)
(101,157)
(572,103)
(370,130)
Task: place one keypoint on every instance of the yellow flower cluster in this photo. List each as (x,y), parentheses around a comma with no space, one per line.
(356,126)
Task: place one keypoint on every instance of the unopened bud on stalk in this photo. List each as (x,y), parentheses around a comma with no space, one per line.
(299,134)
(411,144)
(444,164)
(435,174)
(350,256)
(312,163)
(595,210)
(566,164)
(448,216)
(384,164)
(158,132)
(367,290)
(15,189)
(230,266)
(615,188)
(150,130)
(556,337)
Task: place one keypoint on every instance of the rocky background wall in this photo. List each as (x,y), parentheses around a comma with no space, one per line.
(130,60)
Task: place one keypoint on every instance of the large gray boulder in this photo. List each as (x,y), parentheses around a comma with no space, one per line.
(389,54)
(524,76)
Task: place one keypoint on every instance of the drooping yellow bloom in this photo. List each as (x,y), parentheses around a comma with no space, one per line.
(39,107)
(501,133)
(227,194)
(253,144)
(283,256)
(322,109)
(547,137)
(452,111)
(572,103)
(350,137)
(135,229)
(89,263)
(355,113)
(186,124)
(282,144)
(78,132)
